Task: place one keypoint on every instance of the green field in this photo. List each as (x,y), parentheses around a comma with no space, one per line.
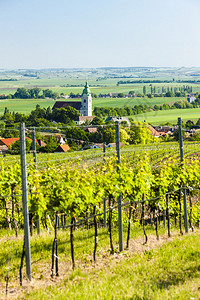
(26,105)
(67,85)
(102,81)
(164,116)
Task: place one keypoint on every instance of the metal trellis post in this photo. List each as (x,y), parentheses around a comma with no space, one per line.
(120,224)
(184,186)
(34,147)
(25,200)
(104,199)
(35,161)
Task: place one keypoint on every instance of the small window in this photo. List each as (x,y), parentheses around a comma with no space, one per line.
(84,101)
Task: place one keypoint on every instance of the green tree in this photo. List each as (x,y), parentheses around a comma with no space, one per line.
(169,94)
(51,145)
(65,115)
(97,121)
(109,134)
(139,133)
(15,147)
(22,93)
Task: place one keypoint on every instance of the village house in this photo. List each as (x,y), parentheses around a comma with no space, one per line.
(82,119)
(62,148)
(5,143)
(119,119)
(191,98)
(100,146)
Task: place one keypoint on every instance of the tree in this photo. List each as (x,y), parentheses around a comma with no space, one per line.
(124,136)
(51,145)
(97,121)
(8,118)
(108,134)
(34,93)
(50,94)
(22,93)
(176,134)
(169,94)
(144,90)
(195,137)
(15,147)
(189,124)
(139,133)
(65,115)
(74,133)
(198,123)
(121,95)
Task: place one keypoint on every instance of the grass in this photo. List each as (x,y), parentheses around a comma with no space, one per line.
(24,105)
(27,105)
(164,116)
(171,272)
(121,102)
(165,269)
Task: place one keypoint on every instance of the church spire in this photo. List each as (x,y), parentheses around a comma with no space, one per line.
(86,90)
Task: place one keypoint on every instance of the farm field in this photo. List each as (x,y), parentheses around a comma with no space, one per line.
(26,105)
(164,116)
(102,81)
(105,85)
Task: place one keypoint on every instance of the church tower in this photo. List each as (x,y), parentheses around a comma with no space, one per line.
(86,101)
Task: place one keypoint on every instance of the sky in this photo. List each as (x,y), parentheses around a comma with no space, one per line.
(105,33)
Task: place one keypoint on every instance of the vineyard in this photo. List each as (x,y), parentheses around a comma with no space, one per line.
(94,201)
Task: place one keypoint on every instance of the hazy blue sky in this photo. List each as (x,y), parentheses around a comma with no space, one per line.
(90,33)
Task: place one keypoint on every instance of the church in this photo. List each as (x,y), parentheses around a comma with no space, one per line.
(84,106)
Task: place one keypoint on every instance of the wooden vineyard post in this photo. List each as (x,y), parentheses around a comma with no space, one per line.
(120,224)
(25,201)
(184,186)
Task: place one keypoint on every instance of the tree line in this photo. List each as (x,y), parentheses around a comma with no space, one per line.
(23,93)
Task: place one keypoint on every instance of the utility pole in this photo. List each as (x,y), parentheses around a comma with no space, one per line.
(120,224)
(25,201)
(184,186)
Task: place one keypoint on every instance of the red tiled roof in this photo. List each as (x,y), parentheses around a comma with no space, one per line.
(11,141)
(63,148)
(155,132)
